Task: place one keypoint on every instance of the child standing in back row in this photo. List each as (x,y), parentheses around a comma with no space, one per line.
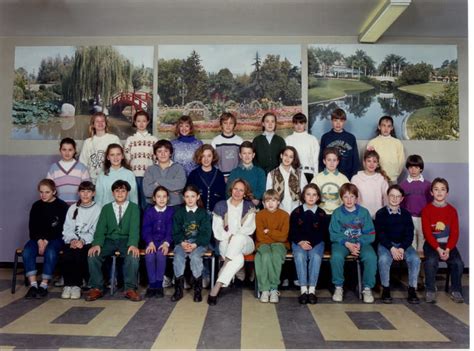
(139,152)
(390,149)
(268,145)
(93,150)
(227,144)
(344,142)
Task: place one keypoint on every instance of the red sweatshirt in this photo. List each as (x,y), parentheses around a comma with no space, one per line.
(440,225)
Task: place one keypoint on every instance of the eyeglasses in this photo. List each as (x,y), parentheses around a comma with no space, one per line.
(393,196)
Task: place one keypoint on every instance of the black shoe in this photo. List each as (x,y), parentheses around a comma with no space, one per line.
(32,293)
(42,292)
(211,300)
(412,297)
(312,299)
(150,292)
(197,289)
(178,289)
(303,299)
(159,293)
(238,283)
(386,297)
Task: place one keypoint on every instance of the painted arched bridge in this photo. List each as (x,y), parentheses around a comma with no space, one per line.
(140,100)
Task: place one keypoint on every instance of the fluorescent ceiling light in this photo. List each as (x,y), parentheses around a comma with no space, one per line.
(382,19)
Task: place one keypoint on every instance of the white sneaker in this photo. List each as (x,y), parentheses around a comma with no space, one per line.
(274,296)
(285,283)
(338,295)
(75,293)
(66,292)
(59,282)
(367,295)
(205,282)
(264,296)
(167,282)
(296,282)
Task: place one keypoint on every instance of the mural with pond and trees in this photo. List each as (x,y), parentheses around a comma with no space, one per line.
(56,88)
(415,84)
(248,80)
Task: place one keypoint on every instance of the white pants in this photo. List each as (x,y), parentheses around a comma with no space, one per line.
(418,238)
(234,251)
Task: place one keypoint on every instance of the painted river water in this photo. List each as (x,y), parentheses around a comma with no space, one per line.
(363,112)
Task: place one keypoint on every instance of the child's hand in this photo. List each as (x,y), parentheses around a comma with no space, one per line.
(164,248)
(79,244)
(93,251)
(42,243)
(305,245)
(443,254)
(256,202)
(370,148)
(266,230)
(134,250)
(151,248)
(73,244)
(353,248)
(396,254)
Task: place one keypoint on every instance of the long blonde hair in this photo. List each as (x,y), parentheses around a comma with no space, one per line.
(92,131)
(373,153)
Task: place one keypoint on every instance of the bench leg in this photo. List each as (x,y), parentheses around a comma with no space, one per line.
(112,275)
(213,270)
(359,279)
(15,268)
(446,286)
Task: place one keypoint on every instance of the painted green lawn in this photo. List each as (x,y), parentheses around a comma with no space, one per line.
(423,114)
(335,88)
(425,89)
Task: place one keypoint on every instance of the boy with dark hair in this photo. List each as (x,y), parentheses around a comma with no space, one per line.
(441,230)
(345,143)
(118,229)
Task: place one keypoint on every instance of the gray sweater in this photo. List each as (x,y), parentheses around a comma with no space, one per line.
(172,178)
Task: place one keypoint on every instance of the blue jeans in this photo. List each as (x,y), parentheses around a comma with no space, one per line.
(385,262)
(455,266)
(308,261)
(51,253)
(195,257)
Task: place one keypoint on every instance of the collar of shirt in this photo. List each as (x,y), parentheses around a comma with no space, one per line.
(306,208)
(116,208)
(410,179)
(247,168)
(269,136)
(227,136)
(326,172)
(390,211)
(157,209)
(194,209)
(143,134)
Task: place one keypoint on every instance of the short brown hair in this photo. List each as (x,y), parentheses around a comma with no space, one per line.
(440,180)
(348,188)
(247,192)
(200,151)
(311,186)
(271,194)
(338,113)
(47,182)
(246,144)
(184,119)
(163,143)
(227,115)
(331,150)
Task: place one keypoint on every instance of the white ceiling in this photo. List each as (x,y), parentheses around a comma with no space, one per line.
(423,18)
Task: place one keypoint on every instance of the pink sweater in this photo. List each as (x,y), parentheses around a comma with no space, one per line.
(372,191)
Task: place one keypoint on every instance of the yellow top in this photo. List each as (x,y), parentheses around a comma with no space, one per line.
(392,156)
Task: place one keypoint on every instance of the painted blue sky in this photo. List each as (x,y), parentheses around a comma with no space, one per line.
(433,54)
(29,57)
(237,58)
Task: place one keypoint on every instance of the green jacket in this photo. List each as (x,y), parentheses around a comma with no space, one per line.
(192,227)
(108,228)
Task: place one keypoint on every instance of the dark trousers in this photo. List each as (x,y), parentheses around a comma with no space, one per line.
(130,265)
(74,265)
(455,266)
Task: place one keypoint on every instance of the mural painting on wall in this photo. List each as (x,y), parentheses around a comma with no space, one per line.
(248,80)
(56,88)
(415,84)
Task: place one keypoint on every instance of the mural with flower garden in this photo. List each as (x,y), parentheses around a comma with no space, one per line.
(203,81)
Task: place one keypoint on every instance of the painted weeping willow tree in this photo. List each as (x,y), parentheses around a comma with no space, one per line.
(96,74)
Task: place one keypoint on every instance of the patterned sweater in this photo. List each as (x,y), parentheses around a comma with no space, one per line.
(184,148)
(228,150)
(329,184)
(440,225)
(354,227)
(346,144)
(194,227)
(67,182)
(83,227)
(139,152)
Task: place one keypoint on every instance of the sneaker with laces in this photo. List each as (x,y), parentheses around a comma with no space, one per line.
(264,296)
(430,297)
(274,296)
(66,294)
(75,292)
(338,294)
(367,295)
(456,297)
(32,293)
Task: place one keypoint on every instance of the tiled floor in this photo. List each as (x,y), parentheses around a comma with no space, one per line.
(238,321)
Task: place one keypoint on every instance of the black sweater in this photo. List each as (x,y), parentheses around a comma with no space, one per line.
(394,228)
(47,219)
(306,225)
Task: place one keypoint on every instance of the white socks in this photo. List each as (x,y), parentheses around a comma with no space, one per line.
(312,290)
(304,290)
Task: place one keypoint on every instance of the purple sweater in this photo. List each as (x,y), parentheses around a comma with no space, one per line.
(417,196)
(157,226)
